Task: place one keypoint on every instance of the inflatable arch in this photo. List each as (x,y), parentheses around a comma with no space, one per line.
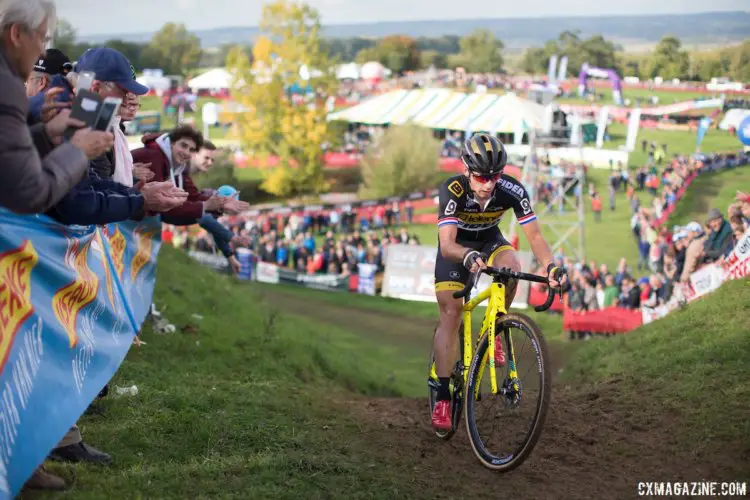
(589,71)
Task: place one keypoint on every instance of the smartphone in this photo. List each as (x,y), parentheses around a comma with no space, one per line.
(107,113)
(84,80)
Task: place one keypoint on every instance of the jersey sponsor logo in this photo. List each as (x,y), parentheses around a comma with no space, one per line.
(511,187)
(456,188)
(480,217)
(526,206)
(450,209)
(477,227)
(455,275)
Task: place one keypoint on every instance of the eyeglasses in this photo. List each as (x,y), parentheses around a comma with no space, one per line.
(484,179)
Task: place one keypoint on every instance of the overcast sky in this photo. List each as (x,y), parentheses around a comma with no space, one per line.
(93,17)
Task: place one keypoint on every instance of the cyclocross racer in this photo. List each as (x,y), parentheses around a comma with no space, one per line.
(471,206)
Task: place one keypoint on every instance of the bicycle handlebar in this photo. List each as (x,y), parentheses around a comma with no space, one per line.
(505,272)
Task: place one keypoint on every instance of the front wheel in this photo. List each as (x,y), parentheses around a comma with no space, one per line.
(504,428)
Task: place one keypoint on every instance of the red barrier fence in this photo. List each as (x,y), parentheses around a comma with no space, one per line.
(678,196)
(608,320)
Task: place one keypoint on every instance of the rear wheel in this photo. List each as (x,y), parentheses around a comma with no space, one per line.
(456,385)
(504,428)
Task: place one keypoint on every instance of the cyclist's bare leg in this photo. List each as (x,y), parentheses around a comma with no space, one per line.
(508,259)
(445,343)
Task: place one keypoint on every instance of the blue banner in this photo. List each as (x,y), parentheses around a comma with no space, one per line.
(71,301)
(702,129)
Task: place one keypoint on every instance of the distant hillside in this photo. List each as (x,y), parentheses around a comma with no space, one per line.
(710,27)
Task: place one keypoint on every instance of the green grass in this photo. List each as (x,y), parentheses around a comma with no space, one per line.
(665,96)
(711,190)
(245,402)
(240,407)
(693,364)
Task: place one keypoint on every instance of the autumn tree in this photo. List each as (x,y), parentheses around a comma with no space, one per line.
(405,161)
(274,122)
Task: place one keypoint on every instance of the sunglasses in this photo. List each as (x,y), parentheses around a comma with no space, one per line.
(484,179)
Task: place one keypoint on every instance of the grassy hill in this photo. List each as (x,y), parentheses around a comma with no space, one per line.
(259,397)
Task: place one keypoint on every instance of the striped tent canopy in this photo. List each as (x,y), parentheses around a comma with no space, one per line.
(372,110)
(432,116)
(425,99)
(470,109)
(508,114)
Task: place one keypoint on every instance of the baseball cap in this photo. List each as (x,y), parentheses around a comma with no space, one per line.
(110,65)
(694,227)
(54,62)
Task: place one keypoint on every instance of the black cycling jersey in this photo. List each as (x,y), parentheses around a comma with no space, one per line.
(458,206)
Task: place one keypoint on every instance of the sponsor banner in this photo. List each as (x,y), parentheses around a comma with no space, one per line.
(271,273)
(366,280)
(245,258)
(410,274)
(71,301)
(267,273)
(706,279)
(212,260)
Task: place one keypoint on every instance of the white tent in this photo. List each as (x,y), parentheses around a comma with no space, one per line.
(348,71)
(215,79)
(155,80)
(733,118)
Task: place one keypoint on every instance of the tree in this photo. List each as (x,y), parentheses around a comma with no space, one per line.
(596,51)
(274,123)
(481,52)
(131,50)
(174,48)
(740,62)
(398,53)
(65,37)
(432,58)
(668,60)
(405,161)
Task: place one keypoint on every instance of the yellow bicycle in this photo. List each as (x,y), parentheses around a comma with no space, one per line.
(509,400)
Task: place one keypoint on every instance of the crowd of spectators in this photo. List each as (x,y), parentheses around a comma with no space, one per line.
(325,242)
(58,166)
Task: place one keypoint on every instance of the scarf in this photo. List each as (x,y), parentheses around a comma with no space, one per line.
(123,158)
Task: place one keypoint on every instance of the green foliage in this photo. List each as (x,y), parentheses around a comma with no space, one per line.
(429,58)
(480,52)
(405,161)
(398,53)
(668,60)
(595,50)
(174,48)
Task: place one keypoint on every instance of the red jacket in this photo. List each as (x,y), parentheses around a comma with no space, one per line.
(157,152)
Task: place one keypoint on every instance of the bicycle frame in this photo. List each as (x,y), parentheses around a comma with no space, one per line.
(495,294)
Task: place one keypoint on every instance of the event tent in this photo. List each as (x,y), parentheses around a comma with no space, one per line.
(448,110)
(215,79)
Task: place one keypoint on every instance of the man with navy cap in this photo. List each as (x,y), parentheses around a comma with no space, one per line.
(115,77)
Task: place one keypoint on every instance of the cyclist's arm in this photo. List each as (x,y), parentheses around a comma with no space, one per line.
(449,248)
(450,205)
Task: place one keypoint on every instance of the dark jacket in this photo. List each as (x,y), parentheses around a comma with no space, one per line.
(222,236)
(98,201)
(718,242)
(36,102)
(35,174)
(157,152)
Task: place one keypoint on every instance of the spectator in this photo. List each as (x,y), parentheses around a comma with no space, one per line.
(596,207)
(610,291)
(719,240)
(114,77)
(49,72)
(168,156)
(28,183)
(694,250)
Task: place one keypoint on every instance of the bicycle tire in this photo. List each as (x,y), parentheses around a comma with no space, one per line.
(505,464)
(456,395)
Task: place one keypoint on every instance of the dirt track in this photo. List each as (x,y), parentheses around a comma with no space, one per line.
(592,447)
(595,444)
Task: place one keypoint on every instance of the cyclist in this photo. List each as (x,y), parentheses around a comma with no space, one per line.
(471,206)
